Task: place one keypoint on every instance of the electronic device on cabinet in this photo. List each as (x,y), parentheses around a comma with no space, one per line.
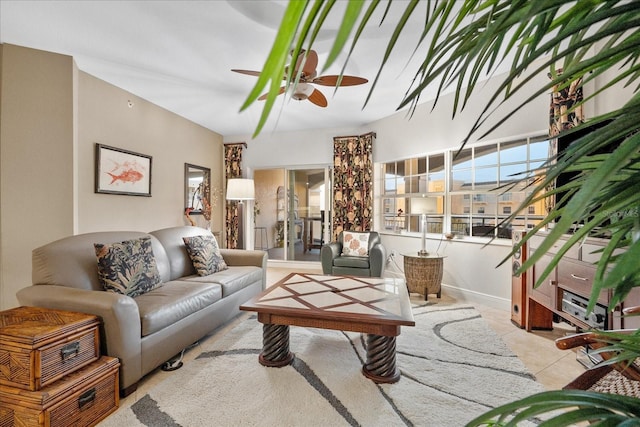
(576,306)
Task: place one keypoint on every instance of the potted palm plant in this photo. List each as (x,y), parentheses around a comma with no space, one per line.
(467,38)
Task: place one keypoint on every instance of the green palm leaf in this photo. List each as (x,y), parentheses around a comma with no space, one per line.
(469,40)
(576,406)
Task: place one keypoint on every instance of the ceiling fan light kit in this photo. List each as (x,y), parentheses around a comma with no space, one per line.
(303,89)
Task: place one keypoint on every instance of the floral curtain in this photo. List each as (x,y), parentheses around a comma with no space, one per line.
(352,186)
(565,112)
(233,169)
(562,113)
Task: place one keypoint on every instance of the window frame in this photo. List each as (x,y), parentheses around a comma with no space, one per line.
(475,203)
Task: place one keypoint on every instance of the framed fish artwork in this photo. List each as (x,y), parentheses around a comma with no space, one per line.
(121,171)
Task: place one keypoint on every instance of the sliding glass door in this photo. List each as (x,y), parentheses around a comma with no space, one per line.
(292,212)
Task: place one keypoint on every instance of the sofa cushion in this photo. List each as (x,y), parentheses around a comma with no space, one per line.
(71,261)
(232,279)
(127,267)
(174,301)
(205,254)
(355,244)
(351,262)
(180,264)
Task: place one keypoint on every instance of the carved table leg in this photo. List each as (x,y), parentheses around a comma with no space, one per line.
(275,346)
(381,359)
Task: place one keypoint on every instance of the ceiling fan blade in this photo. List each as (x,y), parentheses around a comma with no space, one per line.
(264,96)
(249,72)
(333,80)
(310,64)
(318,98)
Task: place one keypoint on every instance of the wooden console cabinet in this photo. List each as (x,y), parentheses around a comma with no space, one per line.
(573,275)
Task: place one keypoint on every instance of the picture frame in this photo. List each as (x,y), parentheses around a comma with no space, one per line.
(197,189)
(123,172)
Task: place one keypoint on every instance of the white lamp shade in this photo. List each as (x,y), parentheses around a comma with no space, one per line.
(424,205)
(240,189)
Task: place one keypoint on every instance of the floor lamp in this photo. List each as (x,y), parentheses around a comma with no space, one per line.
(240,189)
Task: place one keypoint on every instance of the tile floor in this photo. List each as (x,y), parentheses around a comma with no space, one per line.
(552,367)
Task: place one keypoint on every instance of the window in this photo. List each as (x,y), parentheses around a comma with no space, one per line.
(469,191)
(414,187)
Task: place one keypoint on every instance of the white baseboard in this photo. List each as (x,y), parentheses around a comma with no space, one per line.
(472,296)
(294,265)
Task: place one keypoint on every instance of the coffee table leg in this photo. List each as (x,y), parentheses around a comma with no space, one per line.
(275,346)
(381,359)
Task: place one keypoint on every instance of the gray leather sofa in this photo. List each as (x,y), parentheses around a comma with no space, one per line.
(333,262)
(145,331)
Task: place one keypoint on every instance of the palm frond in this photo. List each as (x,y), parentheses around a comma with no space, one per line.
(273,69)
(468,41)
(576,406)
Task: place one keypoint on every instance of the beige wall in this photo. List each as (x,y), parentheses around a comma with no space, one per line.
(147,129)
(267,182)
(36,156)
(51,116)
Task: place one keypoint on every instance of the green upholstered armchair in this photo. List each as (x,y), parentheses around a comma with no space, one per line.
(334,262)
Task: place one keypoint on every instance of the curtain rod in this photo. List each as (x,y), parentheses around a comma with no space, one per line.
(357,136)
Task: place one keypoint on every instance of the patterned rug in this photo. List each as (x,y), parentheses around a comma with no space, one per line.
(454,367)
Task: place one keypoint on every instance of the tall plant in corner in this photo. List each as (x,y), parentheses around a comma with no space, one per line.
(469,38)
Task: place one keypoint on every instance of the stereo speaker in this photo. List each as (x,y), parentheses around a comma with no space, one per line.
(518,281)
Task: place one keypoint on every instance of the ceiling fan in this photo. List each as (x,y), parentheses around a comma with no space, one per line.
(304,89)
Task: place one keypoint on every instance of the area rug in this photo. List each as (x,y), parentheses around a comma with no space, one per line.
(454,367)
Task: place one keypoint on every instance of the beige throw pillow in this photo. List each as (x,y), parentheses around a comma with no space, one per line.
(355,244)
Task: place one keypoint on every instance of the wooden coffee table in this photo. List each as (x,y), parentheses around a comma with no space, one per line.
(375,306)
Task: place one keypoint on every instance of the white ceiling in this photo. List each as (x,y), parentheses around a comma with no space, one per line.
(178,54)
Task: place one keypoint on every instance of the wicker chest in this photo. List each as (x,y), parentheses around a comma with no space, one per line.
(38,346)
(82,398)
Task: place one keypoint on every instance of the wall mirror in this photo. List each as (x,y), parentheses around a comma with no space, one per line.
(197,185)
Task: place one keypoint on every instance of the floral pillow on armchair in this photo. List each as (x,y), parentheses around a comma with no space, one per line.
(355,244)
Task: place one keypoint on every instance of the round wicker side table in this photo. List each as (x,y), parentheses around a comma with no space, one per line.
(423,274)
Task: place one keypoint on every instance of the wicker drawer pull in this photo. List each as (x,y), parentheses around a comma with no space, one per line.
(86,398)
(70,351)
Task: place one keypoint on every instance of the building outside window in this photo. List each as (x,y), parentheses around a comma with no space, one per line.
(468,192)
(413,187)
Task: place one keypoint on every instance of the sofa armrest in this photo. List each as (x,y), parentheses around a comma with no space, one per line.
(121,329)
(237,257)
(328,253)
(241,257)
(377,260)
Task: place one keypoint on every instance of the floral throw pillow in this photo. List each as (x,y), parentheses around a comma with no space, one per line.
(128,267)
(355,244)
(205,254)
